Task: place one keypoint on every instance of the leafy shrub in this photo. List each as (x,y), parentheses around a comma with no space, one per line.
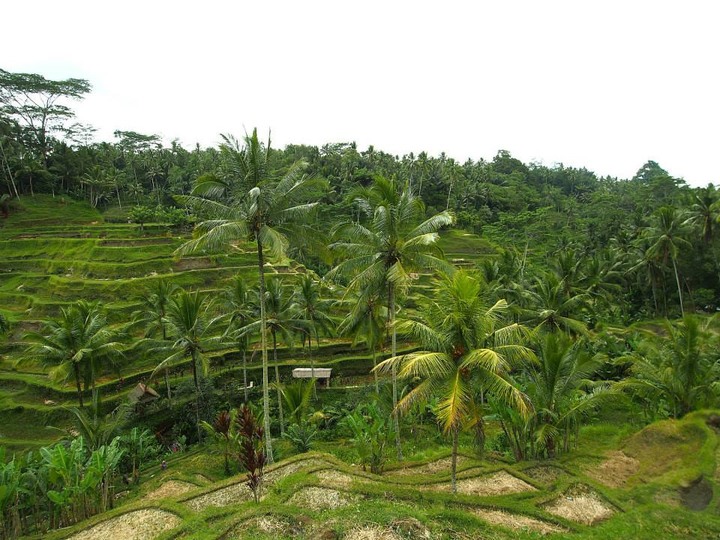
(300,436)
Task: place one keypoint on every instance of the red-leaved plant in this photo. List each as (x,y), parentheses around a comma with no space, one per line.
(251,455)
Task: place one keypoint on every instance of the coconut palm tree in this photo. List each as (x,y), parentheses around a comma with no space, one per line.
(189,326)
(250,204)
(648,271)
(666,240)
(562,390)
(466,346)
(241,310)
(550,307)
(366,322)
(314,310)
(152,314)
(704,212)
(678,368)
(281,319)
(395,241)
(75,343)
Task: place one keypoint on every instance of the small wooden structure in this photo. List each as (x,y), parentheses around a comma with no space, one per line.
(313,373)
(142,394)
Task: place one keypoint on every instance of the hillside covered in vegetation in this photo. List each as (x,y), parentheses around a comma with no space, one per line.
(515,349)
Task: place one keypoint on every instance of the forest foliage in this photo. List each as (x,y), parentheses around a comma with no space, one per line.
(595,291)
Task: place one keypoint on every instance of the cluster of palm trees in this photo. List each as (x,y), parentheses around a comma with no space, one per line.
(508,342)
(76,344)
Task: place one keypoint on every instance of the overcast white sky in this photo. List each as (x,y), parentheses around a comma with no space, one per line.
(607,84)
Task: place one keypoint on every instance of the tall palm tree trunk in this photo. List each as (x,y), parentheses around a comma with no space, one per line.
(197,395)
(374,359)
(393,349)
(245,386)
(453,465)
(76,368)
(167,386)
(277,384)
(677,280)
(263,346)
(312,361)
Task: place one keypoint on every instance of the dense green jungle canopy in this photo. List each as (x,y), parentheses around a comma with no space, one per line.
(652,232)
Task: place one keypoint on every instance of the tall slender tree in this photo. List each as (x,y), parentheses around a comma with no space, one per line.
(366,321)
(666,240)
(249,203)
(189,326)
(152,315)
(314,310)
(394,241)
(242,309)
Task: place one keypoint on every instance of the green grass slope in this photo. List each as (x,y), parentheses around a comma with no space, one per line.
(315,495)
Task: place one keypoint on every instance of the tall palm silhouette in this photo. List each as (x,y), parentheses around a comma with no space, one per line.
(241,306)
(189,326)
(315,311)
(666,240)
(249,203)
(381,252)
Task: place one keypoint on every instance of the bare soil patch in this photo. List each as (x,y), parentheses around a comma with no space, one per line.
(517,521)
(171,488)
(137,525)
(498,483)
(581,504)
(697,495)
(192,263)
(319,498)
(616,470)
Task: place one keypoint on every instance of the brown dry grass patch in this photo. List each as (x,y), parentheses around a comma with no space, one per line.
(137,525)
(319,498)
(616,470)
(371,532)
(581,504)
(438,466)
(517,521)
(498,483)
(269,525)
(333,478)
(547,474)
(291,468)
(171,488)
(233,494)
